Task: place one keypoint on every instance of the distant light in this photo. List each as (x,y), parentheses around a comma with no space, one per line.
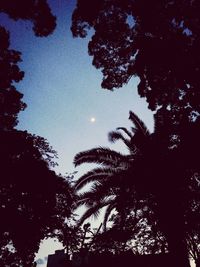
(93,119)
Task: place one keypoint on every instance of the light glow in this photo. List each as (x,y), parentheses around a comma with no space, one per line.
(92,119)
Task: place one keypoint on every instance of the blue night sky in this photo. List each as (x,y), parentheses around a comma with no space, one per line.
(63,91)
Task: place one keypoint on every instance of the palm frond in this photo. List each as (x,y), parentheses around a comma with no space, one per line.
(108,211)
(99,155)
(112,182)
(81,201)
(134,130)
(139,124)
(115,136)
(100,192)
(96,214)
(97,174)
(125,130)
(94,210)
(96,193)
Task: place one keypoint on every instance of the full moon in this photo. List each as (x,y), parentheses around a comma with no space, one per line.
(92,119)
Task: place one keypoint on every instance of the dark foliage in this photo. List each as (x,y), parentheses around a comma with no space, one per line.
(10,73)
(34,200)
(158,41)
(36,11)
(155,180)
(39,13)
(112,181)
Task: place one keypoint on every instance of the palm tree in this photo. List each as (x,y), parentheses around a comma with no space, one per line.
(152,170)
(111,183)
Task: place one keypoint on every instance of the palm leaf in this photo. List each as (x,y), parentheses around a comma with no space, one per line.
(100,192)
(114,136)
(81,201)
(96,174)
(99,155)
(95,210)
(125,130)
(108,211)
(139,124)
(96,193)
(110,182)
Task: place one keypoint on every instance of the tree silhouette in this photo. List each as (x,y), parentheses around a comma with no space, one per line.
(38,12)
(157,41)
(112,181)
(137,235)
(10,99)
(153,177)
(34,201)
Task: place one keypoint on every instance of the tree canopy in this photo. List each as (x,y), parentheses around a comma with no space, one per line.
(10,73)
(36,11)
(153,180)
(158,41)
(34,201)
(39,13)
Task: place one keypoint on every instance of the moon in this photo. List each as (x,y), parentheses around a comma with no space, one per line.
(92,119)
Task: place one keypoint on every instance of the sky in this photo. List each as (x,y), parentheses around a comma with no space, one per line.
(63,92)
